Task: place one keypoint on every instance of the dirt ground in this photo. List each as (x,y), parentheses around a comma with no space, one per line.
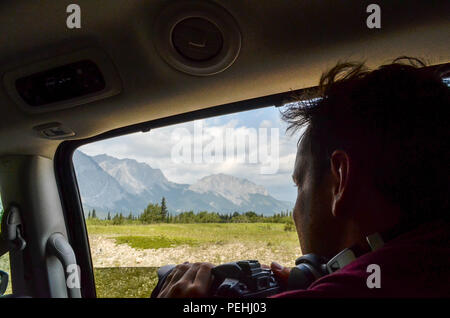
(106,253)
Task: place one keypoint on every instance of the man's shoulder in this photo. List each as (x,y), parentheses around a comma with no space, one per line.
(415,264)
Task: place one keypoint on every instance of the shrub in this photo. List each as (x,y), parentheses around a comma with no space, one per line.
(289,227)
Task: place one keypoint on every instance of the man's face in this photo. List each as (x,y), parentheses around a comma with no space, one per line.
(318,231)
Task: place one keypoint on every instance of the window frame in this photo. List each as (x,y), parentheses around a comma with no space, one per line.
(68,186)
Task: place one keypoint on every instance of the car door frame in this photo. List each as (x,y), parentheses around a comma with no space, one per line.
(68,186)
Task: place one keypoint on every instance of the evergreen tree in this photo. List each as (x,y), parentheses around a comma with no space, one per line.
(89,214)
(109,216)
(151,214)
(94,215)
(163,209)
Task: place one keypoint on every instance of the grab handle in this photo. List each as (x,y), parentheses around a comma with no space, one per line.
(58,246)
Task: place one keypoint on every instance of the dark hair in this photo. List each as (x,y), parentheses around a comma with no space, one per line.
(394,121)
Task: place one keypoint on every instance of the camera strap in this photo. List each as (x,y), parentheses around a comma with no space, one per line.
(311,267)
(374,242)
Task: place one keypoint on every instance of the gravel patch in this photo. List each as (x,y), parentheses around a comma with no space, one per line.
(106,253)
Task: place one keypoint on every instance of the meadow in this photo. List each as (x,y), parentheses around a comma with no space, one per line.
(126,257)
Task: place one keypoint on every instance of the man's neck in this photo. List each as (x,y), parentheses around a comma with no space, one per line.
(380,216)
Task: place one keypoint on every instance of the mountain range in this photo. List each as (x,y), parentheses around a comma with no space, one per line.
(108,184)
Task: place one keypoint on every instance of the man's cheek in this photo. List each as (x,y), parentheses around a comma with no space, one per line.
(296,212)
(298,216)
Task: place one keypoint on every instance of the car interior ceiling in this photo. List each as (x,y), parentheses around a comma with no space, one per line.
(285,45)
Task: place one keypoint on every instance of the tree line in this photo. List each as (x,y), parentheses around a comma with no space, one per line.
(158,213)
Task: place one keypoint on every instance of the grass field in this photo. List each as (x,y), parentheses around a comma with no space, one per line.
(126,257)
(4,266)
(125,282)
(204,232)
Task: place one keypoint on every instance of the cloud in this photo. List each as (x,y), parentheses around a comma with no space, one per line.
(155,148)
(266,124)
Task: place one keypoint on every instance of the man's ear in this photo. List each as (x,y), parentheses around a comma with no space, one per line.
(340,172)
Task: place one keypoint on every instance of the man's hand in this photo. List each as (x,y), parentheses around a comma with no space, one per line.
(281,273)
(188,280)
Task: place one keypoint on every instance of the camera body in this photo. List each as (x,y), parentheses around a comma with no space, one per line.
(247,279)
(242,279)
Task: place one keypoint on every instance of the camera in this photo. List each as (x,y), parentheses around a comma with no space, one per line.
(247,279)
(242,279)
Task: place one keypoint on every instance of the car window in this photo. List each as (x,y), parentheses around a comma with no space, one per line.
(213,190)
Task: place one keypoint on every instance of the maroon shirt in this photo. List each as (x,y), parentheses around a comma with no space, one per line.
(414,264)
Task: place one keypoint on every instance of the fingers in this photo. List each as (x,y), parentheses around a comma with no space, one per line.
(188,280)
(191,273)
(279,269)
(173,284)
(176,274)
(203,279)
(280,272)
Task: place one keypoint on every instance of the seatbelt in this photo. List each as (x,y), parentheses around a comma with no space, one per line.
(12,232)
(12,239)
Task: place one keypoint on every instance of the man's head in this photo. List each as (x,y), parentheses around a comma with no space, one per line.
(375,152)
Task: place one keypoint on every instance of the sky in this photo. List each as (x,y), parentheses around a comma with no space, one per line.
(187,152)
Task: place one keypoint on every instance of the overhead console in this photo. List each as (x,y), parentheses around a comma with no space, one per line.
(64,81)
(197,37)
(61,83)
